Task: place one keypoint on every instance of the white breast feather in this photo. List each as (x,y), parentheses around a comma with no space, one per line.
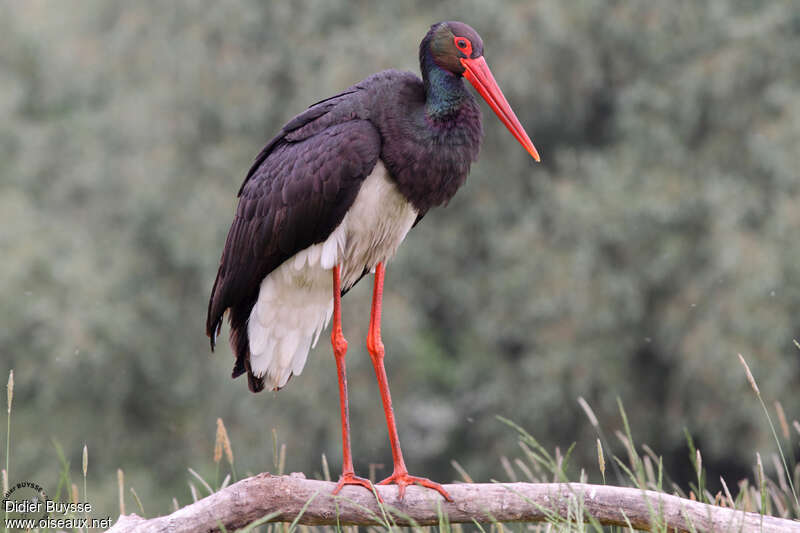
(295,301)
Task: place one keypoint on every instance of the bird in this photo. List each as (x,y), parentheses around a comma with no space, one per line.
(328,201)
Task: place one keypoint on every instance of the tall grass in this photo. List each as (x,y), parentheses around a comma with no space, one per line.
(788,473)
(637,466)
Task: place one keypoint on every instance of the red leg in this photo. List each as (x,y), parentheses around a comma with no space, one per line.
(400,476)
(339,350)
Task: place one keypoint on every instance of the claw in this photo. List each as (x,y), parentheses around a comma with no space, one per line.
(403,479)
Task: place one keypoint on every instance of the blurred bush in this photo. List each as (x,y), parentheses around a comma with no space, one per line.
(657,239)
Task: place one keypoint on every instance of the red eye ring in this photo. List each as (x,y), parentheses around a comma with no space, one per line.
(463,44)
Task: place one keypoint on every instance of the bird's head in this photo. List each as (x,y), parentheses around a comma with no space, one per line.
(458,49)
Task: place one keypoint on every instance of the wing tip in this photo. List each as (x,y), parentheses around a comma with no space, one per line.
(213,330)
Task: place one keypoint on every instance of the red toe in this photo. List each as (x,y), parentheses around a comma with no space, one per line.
(403,479)
(352,479)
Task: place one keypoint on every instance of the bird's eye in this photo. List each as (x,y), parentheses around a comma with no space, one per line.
(464,45)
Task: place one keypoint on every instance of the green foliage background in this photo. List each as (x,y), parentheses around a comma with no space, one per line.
(658,238)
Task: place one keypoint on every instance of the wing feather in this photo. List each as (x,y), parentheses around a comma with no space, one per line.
(296,194)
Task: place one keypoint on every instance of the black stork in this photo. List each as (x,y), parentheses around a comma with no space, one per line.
(331,197)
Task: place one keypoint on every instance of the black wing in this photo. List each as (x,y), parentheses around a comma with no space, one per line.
(295,195)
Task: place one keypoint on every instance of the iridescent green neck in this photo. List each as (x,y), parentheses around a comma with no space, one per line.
(445,91)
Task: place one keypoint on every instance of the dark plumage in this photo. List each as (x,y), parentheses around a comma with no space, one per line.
(307,176)
(293,200)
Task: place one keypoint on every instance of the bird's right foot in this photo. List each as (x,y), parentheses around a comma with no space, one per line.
(401,478)
(352,479)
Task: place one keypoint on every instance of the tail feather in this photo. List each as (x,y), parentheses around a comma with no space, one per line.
(240,344)
(214,314)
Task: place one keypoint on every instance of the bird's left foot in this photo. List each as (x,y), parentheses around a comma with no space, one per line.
(403,479)
(352,479)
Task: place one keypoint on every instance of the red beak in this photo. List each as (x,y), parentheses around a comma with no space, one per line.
(478,74)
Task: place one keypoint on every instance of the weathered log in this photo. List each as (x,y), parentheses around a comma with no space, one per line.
(285,497)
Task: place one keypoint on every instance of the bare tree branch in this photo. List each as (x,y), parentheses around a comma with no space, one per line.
(254,498)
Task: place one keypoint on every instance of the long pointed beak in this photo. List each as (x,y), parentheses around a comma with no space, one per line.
(478,74)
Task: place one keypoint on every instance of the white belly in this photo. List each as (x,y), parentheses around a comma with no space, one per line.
(295,301)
